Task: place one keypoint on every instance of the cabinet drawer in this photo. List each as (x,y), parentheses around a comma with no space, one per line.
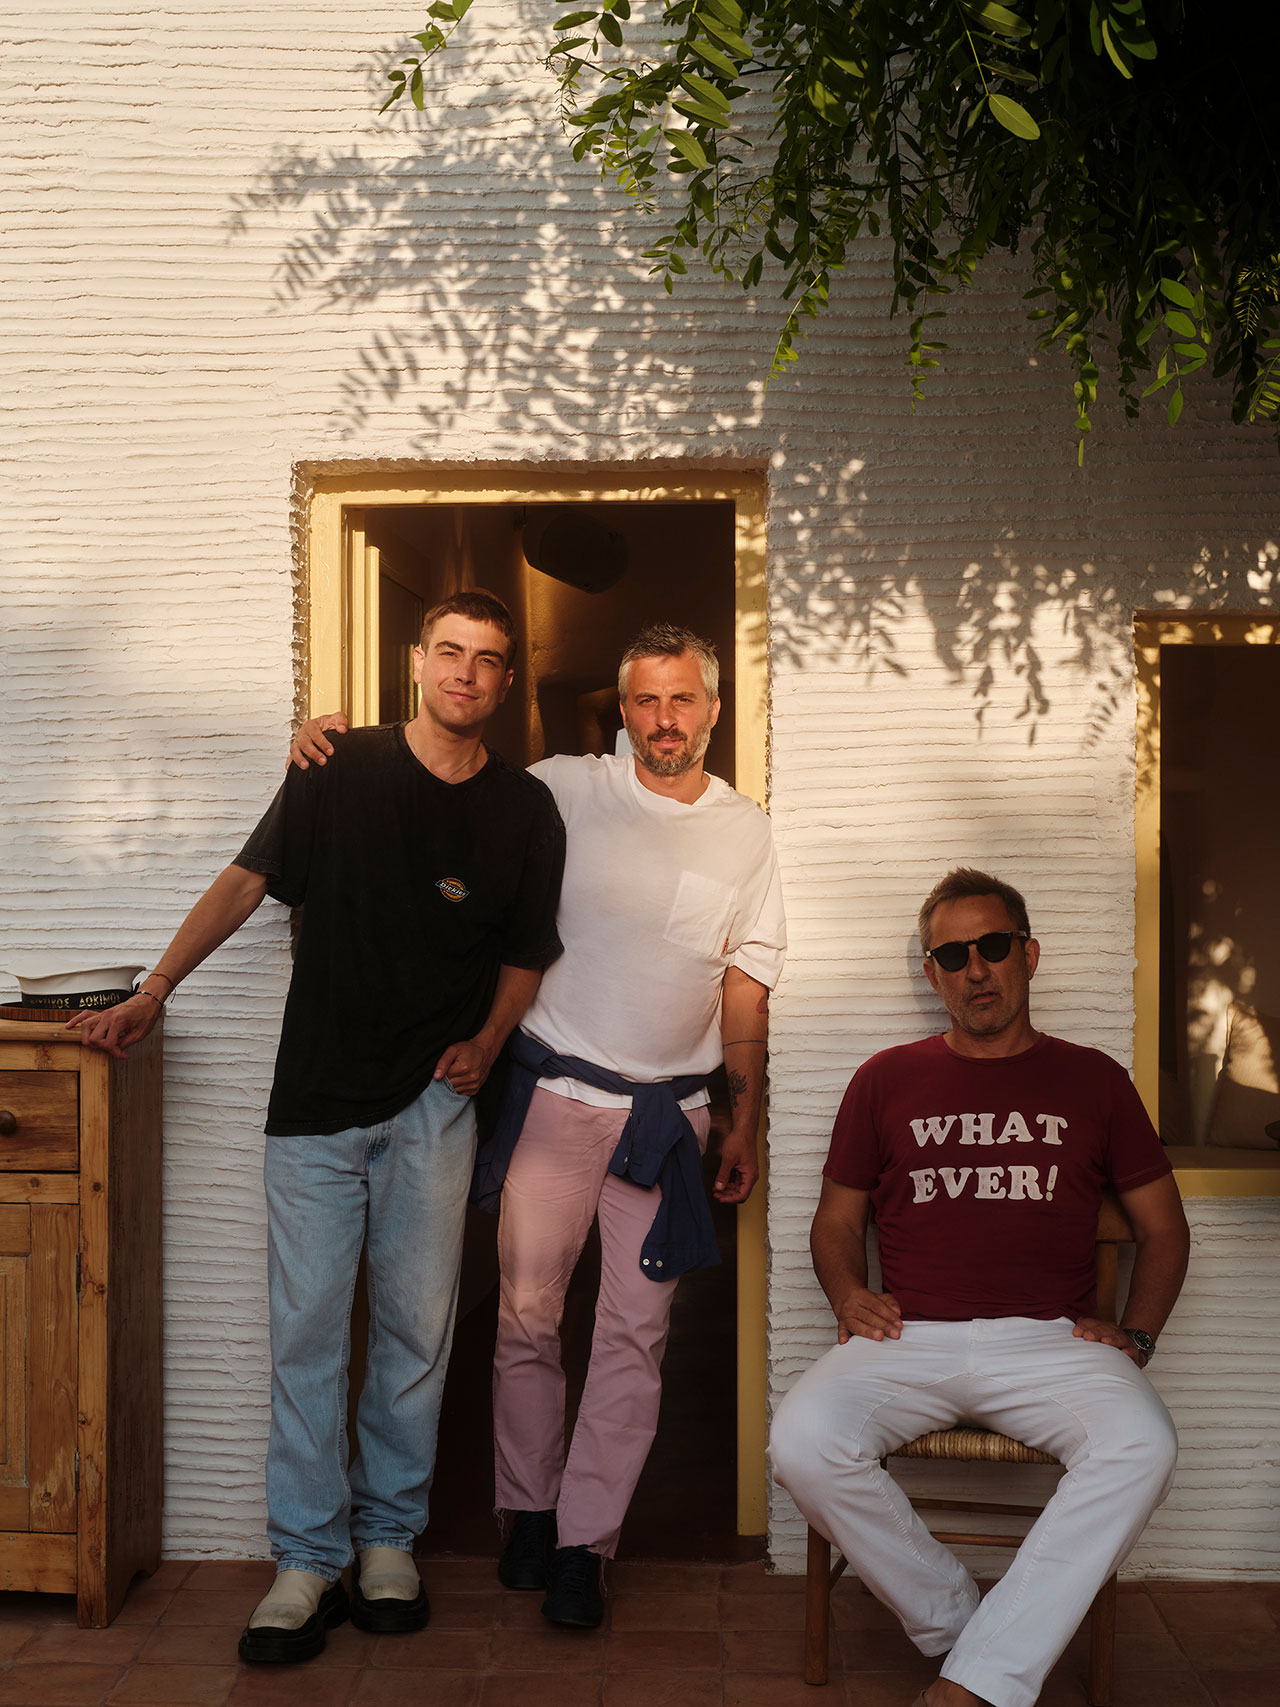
(39,1122)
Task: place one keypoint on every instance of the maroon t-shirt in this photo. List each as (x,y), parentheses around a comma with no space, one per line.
(986,1175)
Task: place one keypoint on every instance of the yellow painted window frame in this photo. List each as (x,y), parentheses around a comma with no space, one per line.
(1202,1171)
(342,626)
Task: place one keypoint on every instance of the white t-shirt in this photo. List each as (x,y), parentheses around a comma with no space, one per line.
(659,899)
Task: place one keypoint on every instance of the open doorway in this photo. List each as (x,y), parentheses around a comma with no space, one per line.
(581,573)
(604,569)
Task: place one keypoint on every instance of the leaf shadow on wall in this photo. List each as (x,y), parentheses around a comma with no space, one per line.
(519,299)
(489,289)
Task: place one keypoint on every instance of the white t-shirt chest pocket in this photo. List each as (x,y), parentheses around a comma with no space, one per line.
(700,916)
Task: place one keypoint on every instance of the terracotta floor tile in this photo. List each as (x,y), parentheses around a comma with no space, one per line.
(145,1603)
(676,1635)
(660,1578)
(465,1611)
(1138,1614)
(663,1612)
(548,1649)
(1201,1614)
(878,1650)
(296,1686)
(780,1651)
(1224,1652)
(524,1611)
(871,1689)
(451,1650)
(1204,1615)
(767,1689)
(1241,1688)
(681,1650)
(664,1689)
(1064,1690)
(187,1644)
(192,1606)
(1163,1689)
(459,1576)
(57,1685)
(761,1612)
(115,1646)
(14,1637)
(1148,1651)
(853,1609)
(174,1686)
(539,1689)
(415,1689)
(345,1646)
(755,1579)
(232,1576)
(168,1574)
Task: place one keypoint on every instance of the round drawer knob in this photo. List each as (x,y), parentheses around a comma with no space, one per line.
(8,1123)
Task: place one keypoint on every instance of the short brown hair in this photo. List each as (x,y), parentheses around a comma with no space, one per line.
(666,640)
(964,883)
(477,604)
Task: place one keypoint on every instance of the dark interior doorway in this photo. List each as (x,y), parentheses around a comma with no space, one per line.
(1219,900)
(605,569)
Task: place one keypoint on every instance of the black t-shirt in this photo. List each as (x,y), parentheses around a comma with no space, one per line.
(416,891)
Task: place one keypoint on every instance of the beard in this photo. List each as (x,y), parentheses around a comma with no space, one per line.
(675,763)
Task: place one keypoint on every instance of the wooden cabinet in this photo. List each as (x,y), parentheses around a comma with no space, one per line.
(81,1469)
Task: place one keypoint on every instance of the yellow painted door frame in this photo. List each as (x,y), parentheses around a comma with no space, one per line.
(342,628)
(1151,631)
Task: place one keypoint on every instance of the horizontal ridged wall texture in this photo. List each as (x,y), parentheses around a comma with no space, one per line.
(220,265)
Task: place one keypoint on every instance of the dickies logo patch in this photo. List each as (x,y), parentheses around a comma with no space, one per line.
(453,889)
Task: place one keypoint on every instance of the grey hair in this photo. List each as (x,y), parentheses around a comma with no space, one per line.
(667,640)
(963,884)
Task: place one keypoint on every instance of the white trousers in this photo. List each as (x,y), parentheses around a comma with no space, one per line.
(1086,1403)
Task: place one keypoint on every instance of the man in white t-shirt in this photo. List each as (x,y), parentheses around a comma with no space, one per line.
(673,931)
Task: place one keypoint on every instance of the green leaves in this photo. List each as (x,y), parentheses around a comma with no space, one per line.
(688,147)
(1013,116)
(1118,28)
(1173,290)
(1115,145)
(430,40)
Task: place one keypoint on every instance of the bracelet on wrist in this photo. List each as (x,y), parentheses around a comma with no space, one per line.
(156,999)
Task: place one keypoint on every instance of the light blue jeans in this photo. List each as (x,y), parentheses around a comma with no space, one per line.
(402,1186)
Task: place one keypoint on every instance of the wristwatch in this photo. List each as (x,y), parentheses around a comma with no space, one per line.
(1144,1342)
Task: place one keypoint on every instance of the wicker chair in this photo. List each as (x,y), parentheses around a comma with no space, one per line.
(968,1445)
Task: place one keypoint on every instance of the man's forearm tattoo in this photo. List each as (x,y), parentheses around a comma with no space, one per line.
(737,1085)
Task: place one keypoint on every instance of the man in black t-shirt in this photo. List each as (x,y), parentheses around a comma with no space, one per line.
(430,871)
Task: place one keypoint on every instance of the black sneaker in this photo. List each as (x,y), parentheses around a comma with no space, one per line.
(574,1594)
(269,1646)
(528,1551)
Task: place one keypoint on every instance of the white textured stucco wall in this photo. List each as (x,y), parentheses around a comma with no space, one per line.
(219,265)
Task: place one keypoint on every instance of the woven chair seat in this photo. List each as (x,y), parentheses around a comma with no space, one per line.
(972,1446)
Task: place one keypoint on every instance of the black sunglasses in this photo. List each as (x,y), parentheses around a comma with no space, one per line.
(993,948)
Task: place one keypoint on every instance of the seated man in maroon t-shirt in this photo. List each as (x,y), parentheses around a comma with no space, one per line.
(984,1153)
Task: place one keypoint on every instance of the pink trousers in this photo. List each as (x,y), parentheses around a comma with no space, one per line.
(557,1183)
